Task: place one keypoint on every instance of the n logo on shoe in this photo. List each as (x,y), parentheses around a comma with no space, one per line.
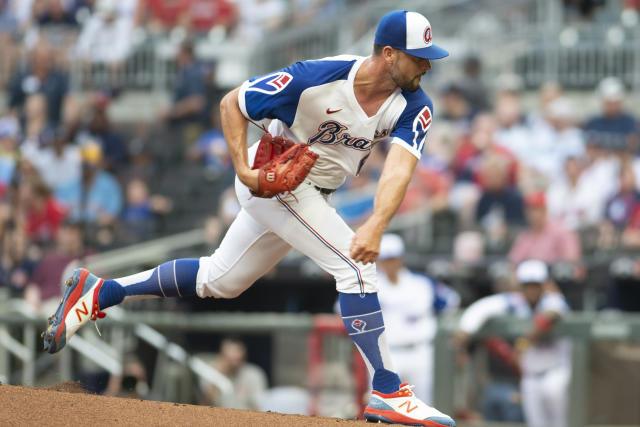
(409,408)
(85,311)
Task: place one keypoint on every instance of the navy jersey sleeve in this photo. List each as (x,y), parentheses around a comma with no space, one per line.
(414,122)
(276,95)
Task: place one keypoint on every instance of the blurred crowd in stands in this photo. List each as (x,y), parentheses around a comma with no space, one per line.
(496,178)
(104,32)
(501,178)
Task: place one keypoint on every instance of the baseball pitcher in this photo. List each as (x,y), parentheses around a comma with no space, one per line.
(326,116)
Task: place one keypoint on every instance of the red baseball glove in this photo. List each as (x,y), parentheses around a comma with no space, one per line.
(270,147)
(284,171)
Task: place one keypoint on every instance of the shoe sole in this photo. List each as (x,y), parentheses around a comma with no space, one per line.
(370,418)
(386,416)
(56,331)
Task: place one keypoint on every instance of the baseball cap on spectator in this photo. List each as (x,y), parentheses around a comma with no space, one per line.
(91,153)
(391,246)
(409,32)
(107,7)
(536,199)
(532,271)
(611,89)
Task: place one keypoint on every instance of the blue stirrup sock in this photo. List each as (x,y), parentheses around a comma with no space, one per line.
(171,279)
(362,318)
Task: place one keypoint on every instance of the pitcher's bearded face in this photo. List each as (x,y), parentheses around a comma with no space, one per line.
(407,71)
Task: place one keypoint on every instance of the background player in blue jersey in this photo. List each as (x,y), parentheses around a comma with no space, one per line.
(341,107)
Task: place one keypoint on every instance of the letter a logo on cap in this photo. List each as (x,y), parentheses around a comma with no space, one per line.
(427,35)
(409,32)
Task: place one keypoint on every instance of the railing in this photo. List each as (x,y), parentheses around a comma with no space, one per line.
(106,354)
(24,351)
(581,328)
(152,252)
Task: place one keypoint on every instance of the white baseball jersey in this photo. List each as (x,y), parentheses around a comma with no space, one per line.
(410,307)
(314,102)
(540,357)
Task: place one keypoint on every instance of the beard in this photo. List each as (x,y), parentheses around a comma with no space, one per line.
(410,84)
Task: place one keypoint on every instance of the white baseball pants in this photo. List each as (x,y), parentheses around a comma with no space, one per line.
(415,366)
(544,398)
(265,230)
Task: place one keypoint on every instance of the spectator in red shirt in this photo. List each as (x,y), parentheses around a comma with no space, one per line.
(544,239)
(207,14)
(160,16)
(478,141)
(198,16)
(429,187)
(43,212)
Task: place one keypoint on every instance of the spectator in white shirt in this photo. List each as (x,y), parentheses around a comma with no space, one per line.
(258,16)
(106,37)
(555,139)
(572,199)
(512,132)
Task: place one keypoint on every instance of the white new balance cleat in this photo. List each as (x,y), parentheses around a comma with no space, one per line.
(79,304)
(403,407)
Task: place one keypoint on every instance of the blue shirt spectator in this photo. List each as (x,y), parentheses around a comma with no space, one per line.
(100,129)
(40,76)
(500,201)
(509,201)
(96,197)
(189,103)
(103,196)
(614,129)
(623,206)
(212,149)
(9,130)
(611,132)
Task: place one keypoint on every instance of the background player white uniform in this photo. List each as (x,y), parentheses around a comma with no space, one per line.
(546,363)
(410,305)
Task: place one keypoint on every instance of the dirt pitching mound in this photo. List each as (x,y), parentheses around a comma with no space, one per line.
(69,387)
(65,405)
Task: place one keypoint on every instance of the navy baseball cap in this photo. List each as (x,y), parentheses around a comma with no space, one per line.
(409,32)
